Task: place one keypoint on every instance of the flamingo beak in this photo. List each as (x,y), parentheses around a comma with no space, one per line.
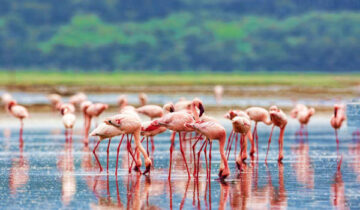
(202,110)
(172,109)
(335,111)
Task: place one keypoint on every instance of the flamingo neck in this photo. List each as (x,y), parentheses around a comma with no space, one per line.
(194,112)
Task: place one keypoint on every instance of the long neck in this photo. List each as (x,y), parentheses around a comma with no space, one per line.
(268,121)
(194,112)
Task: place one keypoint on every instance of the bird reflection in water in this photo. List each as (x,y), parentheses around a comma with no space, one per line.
(65,164)
(354,152)
(19,172)
(302,166)
(338,198)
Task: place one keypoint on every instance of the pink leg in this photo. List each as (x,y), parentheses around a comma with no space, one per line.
(206,160)
(21,133)
(210,161)
(228,142)
(337,142)
(147,145)
(130,151)
(171,151)
(117,155)
(152,145)
(183,155)
(194,160)
(198,160)
(267,151)
(232,139)
(255,140)
(107,157)
(94,151)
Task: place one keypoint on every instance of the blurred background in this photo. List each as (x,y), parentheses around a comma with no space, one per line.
(180,35)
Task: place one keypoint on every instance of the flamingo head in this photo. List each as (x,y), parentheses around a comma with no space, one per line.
(11,104)
(336,109)
(169,107)
(122,100)
(114,121)
(198,103)
(274,109)
(64,110)
(84,105)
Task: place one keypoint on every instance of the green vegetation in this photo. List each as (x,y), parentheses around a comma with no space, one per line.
(163,35)
(26,78)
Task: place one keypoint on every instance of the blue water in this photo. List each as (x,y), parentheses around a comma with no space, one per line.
(48,173)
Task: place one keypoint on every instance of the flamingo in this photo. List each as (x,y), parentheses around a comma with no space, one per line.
(130,124)
(123,104)
(19,112)
(54,100)
(143,99)
(218,91)
(77,99)
(69,106)
(257,114)
(279,119)
(175,122)
(337,119)
(303,114)
(152,111)
(148,130)
(231,115)
(68,120)
(242,125)
(91,110)
(6,98)
(212,131)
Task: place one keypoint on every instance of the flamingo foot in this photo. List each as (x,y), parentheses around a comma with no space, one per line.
(224,173)
(136,168)
(281,157)
(147,170)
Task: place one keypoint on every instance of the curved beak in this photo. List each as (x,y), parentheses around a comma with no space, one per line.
(202,110)
(172,109)
(335,111)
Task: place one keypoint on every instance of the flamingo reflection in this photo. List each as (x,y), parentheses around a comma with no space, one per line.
(338,198)
(303,168)
(19,172)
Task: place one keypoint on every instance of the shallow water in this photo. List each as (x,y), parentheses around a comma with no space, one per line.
(49,173)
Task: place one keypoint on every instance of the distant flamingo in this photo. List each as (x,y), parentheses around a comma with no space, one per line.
(143,99)
(258,114)
(212,131)
(218,91)
(279,119)
(337,119)
(91,110)
(54,100)
(130,124)
(123,104)
(69,106)
(303,114)
(19,112)
(77,99)
(68,120)
(152,111)
(242,125)
(5,99)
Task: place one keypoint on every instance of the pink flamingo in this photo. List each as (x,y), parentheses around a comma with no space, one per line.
(303,115)
(337,119)
(6,98)
(257,114)
(54,100)
(68,120)
(148,130)
(231,115)
(152,111)
(212,131)
(175,121)
(130,124)
(78,98)
(143,99)
(91,110)
(242,125)
(279,119)
(19,112)
(218,91)
(69,106)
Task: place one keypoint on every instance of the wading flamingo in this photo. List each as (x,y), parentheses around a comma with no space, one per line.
(68,120)
(54,99)
(218,91)
(242,125)
(19,112)
(303,114)
(337,119)
(258,114)
(279,119)
(91,110)
(212,131)
(130,124)
(77,99)
(152,111)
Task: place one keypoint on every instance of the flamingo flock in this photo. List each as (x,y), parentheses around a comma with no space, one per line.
(185,119)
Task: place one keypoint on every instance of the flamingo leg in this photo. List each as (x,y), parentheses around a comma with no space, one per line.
(107,157)
(210,161)
(337,141)
(206,160)
(152,145)
(256,140)
(147,145)
(193,149)
(117,154)
(183,155)
(229,139)
(21,132)
(267,151)
(130,151)
(171,151)
(198,160)
(97,159)
(232,139)
(236,142)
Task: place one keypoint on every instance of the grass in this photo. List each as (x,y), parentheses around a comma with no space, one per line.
(28,78)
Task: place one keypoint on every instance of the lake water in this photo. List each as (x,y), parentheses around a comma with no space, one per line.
(48,173)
